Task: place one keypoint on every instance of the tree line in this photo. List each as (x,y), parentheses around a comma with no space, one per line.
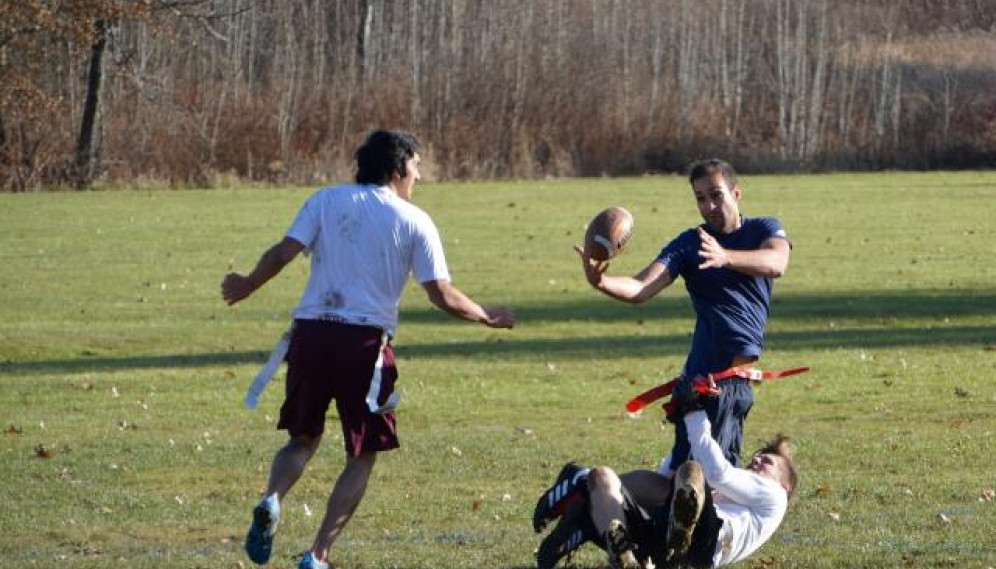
(188,92)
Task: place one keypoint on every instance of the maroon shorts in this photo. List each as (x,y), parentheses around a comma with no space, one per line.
(330,360)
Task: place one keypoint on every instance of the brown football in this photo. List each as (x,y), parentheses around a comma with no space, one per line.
(608,233)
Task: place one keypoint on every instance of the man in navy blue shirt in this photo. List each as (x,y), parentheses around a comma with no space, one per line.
(728,264)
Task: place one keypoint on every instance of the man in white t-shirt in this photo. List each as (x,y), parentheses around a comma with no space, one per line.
(708,515)
(365,240)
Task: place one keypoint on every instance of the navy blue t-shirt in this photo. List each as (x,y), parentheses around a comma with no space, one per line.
(731,308)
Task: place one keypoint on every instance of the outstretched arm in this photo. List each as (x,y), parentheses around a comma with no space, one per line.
(636,289)
(769,260)
(454,302)
(738,484)
(236,287)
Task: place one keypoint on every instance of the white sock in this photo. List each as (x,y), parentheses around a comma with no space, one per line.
(272,503)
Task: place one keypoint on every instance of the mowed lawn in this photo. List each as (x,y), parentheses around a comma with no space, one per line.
(125,442)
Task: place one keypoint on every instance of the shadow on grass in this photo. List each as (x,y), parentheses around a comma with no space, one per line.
(85,364)
(608,347)
(808,308)
(872,320)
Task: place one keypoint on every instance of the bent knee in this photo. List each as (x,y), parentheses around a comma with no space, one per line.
(604,479)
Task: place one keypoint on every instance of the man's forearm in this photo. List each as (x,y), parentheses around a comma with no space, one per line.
(270,263)
(273,260)
(454,302)
(704,449)
(626,289)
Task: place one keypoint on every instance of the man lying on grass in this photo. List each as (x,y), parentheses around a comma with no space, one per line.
(710,514)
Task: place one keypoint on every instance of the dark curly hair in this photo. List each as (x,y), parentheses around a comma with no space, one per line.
(382,154)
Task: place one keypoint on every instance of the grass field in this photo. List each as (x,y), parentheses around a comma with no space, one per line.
(121,371)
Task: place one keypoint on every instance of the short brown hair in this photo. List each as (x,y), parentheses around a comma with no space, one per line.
(705,168)
(780,446)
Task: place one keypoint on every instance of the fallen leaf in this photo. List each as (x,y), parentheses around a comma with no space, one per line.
(961,392)
(944,519)
(824,490)
(475,505)
(988,495)
(42,451)
(763,562)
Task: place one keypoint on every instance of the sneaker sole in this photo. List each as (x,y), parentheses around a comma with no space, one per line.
(686,507)
(620,548)
(683,522)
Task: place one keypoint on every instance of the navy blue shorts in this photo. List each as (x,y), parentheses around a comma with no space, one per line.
(331,360)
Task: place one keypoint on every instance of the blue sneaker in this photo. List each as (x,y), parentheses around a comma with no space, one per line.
(259,540)
(309,562)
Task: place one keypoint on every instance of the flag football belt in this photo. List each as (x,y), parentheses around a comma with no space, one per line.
(704,385)
(279,352)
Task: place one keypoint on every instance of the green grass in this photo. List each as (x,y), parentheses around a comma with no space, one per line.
(119,358)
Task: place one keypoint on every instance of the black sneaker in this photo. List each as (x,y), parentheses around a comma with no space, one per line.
(553,502)
(686,507)
(622,552)
(572,531)
(259,539)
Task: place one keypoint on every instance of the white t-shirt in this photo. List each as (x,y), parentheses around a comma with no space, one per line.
(364,242)
(751,506)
